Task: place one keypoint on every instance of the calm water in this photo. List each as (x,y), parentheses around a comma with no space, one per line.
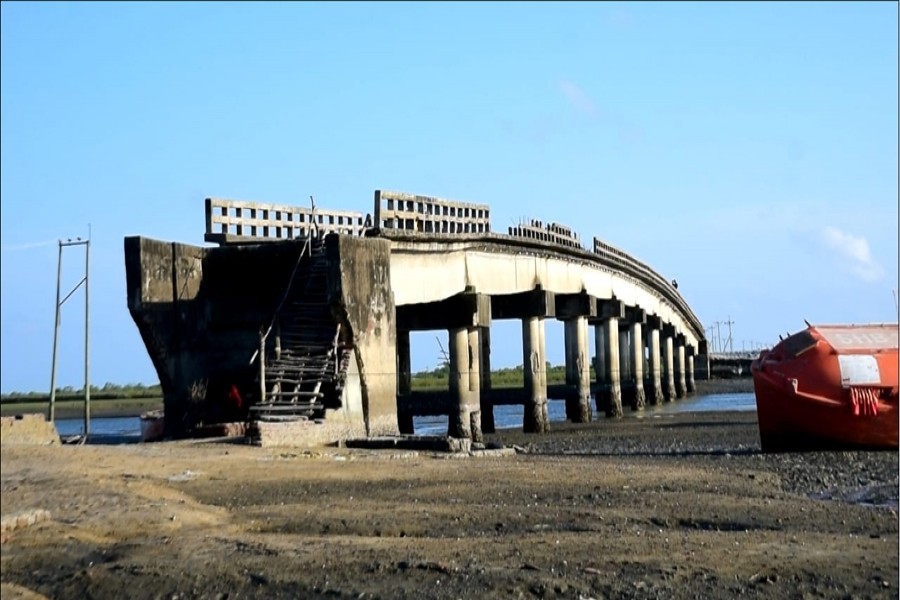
(506,417)
(125,429)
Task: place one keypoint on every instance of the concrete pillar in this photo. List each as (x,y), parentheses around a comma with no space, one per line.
(637,359)
(474,395)
(459,421)
(691,385)
(624,354)
(611,336)
(655,393)
(487,406)
(578,370)
(404,380)
(680,386)
(536,419)
(600,395)
(668,368)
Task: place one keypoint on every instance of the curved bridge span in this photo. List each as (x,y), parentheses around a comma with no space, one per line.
(421,263)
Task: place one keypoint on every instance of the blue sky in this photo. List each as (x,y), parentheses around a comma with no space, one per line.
(748,150)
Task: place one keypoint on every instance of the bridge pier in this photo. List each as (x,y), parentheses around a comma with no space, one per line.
(626,380)
(535,418)
(532,307)
(464,420)
(609,387)
(574,310)
(680,385)
(668,383)
(404,381)
(487,405)
(578,370)
(636,341)
(655,393)
(691,385)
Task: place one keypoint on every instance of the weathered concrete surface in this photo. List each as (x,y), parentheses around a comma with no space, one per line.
(427,269)
(359,290)
(27,430)
(200,311)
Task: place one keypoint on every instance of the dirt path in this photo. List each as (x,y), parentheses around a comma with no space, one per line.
(680,506)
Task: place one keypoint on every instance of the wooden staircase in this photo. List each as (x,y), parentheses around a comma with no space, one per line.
(306,370)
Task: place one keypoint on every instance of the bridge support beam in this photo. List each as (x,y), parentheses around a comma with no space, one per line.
(654,378)
(606,332)
(668,363)
(578,370)
(465,418)
(404,381)
(680,385)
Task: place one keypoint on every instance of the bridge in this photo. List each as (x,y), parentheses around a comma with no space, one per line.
(300,318)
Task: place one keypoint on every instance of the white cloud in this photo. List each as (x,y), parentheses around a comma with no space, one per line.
(578,97)
(853,253)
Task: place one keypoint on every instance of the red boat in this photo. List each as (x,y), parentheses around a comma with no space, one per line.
(829,387)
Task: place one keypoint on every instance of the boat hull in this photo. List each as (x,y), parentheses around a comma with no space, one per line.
(789,423)
(829,387)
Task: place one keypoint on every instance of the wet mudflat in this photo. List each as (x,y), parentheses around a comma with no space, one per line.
(664,506)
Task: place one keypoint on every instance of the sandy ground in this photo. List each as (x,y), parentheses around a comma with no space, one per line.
(676,506)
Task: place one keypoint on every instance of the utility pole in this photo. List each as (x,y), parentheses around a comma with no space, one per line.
(87,379)
(728,342)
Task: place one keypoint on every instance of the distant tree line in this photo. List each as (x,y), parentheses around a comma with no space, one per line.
(437,378)
(108,391)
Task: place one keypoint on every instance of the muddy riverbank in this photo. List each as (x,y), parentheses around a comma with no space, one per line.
(665,506)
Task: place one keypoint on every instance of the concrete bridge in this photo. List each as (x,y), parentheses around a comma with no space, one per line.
(300,318)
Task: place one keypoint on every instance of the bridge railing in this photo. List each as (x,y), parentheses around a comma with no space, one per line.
(237,220)
(641,270)
(553,233)
(410,212)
